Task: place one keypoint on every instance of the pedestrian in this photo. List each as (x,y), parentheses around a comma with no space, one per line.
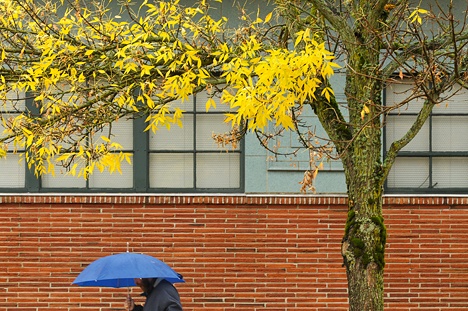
(160,295)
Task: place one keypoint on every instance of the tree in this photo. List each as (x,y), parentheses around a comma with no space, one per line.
(86,67)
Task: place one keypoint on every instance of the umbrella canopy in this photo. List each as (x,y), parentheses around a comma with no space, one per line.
(119,271)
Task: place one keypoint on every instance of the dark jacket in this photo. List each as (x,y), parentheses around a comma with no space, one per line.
(163,297)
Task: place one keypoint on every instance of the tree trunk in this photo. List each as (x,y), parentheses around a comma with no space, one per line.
(363,245)
(363,251)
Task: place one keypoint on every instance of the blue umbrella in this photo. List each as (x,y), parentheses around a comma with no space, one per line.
(119,271)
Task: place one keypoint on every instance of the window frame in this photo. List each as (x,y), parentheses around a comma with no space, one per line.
(140,163)
(430,155)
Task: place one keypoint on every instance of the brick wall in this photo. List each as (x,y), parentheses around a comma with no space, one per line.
(236,252)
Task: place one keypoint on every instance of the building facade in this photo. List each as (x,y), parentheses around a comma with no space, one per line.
(233,221)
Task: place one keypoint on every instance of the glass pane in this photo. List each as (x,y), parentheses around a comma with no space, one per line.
(397,126)
(399,92)
(186,105)
(450,172)
(62,180)
(171,170)
(121,132)
(207,125)
(447,133)
(202,98)
(9,116)
(409,173)
(455,103)
(12,171)
(177,138)
(15,101)
(218,170)
(114,180)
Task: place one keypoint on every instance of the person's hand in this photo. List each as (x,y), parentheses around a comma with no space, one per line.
(129,304)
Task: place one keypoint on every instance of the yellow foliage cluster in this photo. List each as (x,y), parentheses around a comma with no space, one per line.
(88,67)
(267,83)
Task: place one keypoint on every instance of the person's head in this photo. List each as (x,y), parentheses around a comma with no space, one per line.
(146,284)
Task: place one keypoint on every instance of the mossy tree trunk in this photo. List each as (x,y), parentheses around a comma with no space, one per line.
(363,245)
(358,141)
(364,238)
(363,248)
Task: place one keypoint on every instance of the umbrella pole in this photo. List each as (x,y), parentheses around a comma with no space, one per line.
(128,298)
(128,288)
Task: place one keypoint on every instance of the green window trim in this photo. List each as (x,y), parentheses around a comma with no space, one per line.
(436,161)
(140,167)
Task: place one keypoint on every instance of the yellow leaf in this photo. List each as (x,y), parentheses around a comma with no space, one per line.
(106,139)
(146,70)
(268,17)
(366,109)
(414,16)
(326,92)
(29,140)
(299,38)
(63,157)
(210,103)
(285,121)
(73,169)
(81,78)
(128,157)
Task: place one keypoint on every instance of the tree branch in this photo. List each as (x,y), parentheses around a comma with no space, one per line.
(339,24)
(397,145)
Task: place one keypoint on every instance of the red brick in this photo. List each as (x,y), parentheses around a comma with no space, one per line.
(236,252)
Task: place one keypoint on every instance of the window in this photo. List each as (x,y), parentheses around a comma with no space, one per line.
(188,157)
(12,172)
(436,160)
(183,159)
